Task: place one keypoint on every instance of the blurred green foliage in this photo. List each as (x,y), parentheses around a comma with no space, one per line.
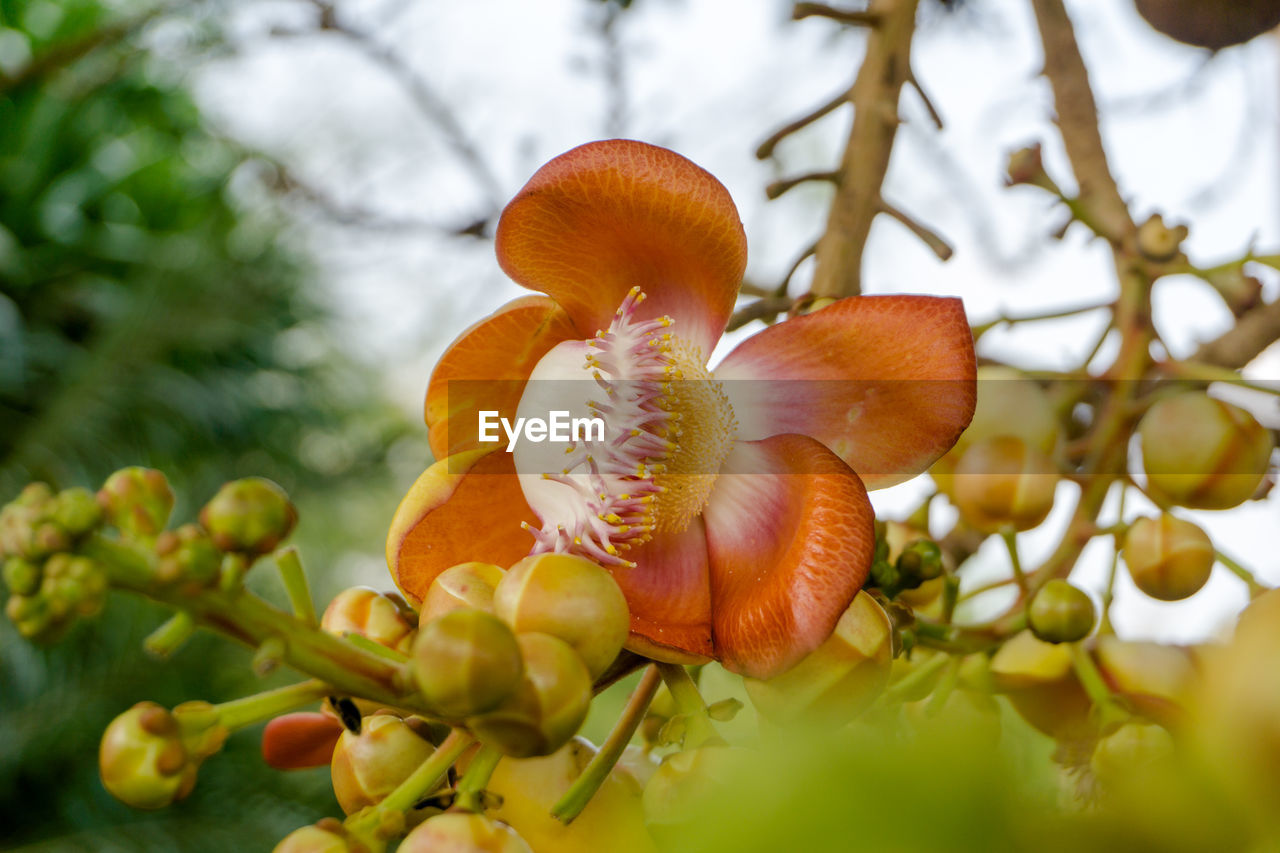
(147,317)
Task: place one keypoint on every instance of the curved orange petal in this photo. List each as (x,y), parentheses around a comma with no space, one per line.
(466,507)
(300,740)
(886,382)
(790,536)
(608,216)
(669,594)
(487,366)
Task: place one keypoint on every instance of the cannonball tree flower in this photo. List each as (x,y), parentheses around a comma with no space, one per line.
(725,503)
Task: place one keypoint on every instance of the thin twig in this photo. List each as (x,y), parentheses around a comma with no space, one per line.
(762,309)
(765,151)
(782,185)
(936,244)
(845,16)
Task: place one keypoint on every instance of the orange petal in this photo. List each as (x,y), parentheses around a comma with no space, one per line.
(300,740)
(669,594)
(463,508)
(790,538)
(611,215)
(487,367)
(886,382)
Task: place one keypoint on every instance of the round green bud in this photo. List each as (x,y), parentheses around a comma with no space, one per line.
(1203,453)
(31,615)
(1168,558)
(1003,481)
(249,516)
(77,511)
(142,760)
(21,576)
(466,662)
(325,836)
(568,597)
(464,585)
(463,832)
(371,614)
(1061,613)
(548,706)
(838,680)
(367,766)
(137,501)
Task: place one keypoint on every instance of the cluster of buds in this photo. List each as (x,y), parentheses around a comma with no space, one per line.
(515,660)
(50,586)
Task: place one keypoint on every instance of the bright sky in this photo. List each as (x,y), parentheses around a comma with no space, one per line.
(1192,138)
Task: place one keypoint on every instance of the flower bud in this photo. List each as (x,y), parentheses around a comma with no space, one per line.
(547,707)
(1009,404)
(187,554)
(371,614)
(1203,453)
(21,576)
(28,528)
(73,586)
(530,787)
(466,662)
(1133,748)
(463,832)
(249,516)
(1157,241)
(568,597)
(839,679)
(137,501)
(1154,679)
(1061,613)
(1168,558)
(300,740)
(325,836)
(143,761)
(1003,481)
(1040,683)
(685,784)
(464,585)
(368,766)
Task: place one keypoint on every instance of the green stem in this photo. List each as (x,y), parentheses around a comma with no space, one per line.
(1255,588)
(1010,537)
(239,713)
(470,793)
(1003,320)
(296,587)
(234,568)
(1108,595)
(418,784)
(597,770)
(169,637)
(699,729)
(1095,686)
(250,620)
(913,679)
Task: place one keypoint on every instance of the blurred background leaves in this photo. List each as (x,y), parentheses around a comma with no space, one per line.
(150,317)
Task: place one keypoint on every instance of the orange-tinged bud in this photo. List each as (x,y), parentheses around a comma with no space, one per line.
(1168,558)
(547,707)
(463,832)
(1061,613)
(368,766)
(251,516)
(464,585)
(1203,453)
(300,740)
(838,680)
(530,788)
(568,597)
(1004,481)
(466,662)
(142,759)
(371,614)
(187,554)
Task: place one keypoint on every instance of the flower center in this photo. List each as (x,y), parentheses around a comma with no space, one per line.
(668,428)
